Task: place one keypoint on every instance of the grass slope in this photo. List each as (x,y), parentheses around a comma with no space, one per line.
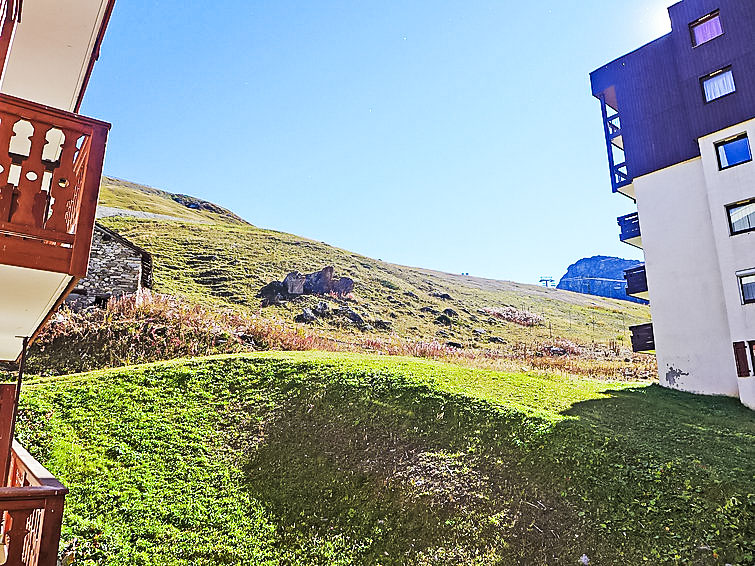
(224,262)
(117,193)
(313,458)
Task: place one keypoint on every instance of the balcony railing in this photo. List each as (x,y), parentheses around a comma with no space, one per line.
(630,229)
(637,282)
(32,510)
(50,169)
(621,181)
(31,504)
(643,339)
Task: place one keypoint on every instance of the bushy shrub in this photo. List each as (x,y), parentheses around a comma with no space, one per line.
(150,327)
(511,314)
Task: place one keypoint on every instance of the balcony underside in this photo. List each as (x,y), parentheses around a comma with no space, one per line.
(53,50)
(639,295)
(26,298)
(635,241)
(626,190)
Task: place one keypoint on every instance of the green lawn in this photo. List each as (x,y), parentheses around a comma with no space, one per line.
(314,458)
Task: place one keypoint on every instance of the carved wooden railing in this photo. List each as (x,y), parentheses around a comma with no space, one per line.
(50,169)
(32,513)
(31,504)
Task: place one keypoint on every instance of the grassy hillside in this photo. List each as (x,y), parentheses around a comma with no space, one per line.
(211,257)
(117,193)
(337,459)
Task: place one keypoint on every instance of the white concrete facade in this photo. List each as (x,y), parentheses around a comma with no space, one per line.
(692,262)
(27,297)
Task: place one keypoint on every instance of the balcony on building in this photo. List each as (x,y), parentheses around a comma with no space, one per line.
(50,169)
(51,158)
(621,181)
(637,282)
(630,229)
(51,162)
(31,499)
(643,340)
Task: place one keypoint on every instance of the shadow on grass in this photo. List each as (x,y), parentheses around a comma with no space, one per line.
(718,432)
(403,471)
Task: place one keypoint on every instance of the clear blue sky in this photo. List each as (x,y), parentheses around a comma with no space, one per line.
(458,136)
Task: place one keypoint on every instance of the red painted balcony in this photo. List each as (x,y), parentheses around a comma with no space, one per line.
(31,504)
(50,169)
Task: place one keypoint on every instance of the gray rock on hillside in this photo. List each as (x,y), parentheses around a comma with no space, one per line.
(295,284)
(319,282)
(343,286)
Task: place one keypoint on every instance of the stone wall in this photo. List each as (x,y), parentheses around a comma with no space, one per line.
(115,269)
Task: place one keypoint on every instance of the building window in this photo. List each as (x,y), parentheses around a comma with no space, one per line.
(740,357)
(741,217)
(718,84)
(747,284)
(733,151)
(705,29)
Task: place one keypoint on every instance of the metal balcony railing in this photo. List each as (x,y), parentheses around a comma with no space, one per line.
(630,226)
(50,169)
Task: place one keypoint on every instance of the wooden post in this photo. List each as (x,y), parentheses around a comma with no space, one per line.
(52,522)
(7,399)
(14,412)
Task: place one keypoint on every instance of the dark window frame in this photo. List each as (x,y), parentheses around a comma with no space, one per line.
(751,348)
(732,206)
(699,21)
(740,280)
(710,76)
(728,140)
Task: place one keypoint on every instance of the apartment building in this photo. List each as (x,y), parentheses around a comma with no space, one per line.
(679,121)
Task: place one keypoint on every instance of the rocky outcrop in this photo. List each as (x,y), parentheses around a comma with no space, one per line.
(296,284)
(599,275)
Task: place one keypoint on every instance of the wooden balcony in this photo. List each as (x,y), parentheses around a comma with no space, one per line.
(643,339)
(31,504)
(50,169)
(637,282)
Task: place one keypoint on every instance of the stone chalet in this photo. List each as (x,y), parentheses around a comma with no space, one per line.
(117,267)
